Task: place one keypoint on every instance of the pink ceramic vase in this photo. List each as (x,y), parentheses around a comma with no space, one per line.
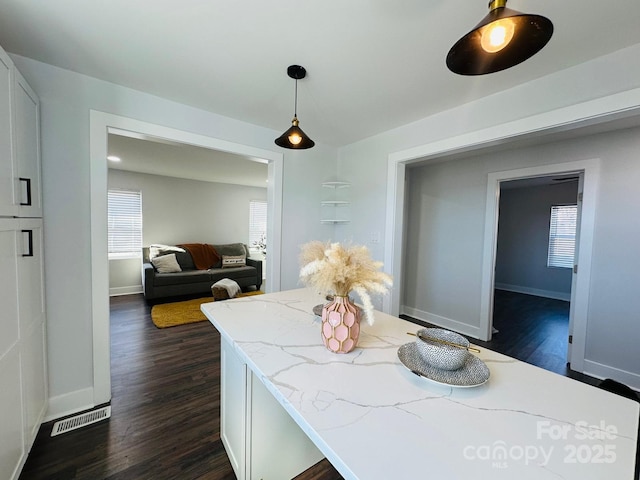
(340,325)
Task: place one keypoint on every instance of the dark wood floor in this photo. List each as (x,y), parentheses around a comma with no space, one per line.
(165,420)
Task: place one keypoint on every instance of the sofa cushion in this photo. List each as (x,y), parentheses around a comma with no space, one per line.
(232,273)
(166,264)
(186,276)
(183,257)
(230,250)
(185,261)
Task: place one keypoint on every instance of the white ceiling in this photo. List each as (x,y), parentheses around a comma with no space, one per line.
(141,153)
(373,65)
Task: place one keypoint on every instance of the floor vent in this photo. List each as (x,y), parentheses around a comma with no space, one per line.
(72,423)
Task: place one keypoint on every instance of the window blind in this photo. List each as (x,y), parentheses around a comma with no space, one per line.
(124,216)
(562,236)
(257,222)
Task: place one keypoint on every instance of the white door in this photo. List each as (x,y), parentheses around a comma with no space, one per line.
(574,276)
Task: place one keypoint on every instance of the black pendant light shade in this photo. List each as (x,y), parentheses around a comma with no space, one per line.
(294,137)
(502,39)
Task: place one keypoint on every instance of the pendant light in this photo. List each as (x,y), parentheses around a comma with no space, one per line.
(502,39)
(294,137)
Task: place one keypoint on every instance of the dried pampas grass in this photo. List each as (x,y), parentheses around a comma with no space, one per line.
(332,268)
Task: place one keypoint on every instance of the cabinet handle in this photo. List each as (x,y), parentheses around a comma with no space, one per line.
(28,182)
(30,243)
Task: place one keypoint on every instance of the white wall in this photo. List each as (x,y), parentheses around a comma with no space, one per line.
(125,276)
(66,101)
(446,224)
(612,326)
(176,210)
(523,240)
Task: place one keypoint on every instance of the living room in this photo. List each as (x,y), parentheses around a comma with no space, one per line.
(596,101)
(187,194)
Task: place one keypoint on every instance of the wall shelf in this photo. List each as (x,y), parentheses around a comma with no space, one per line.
(336,184)
(334,208)
(335,222)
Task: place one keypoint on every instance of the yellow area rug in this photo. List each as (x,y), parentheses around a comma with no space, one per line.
(180,313)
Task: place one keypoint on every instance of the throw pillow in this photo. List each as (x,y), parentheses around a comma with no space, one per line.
(157,250)
(230,249)
(185,261)
(166,264)
(229,261)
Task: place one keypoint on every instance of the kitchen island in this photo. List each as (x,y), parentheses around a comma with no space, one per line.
(287,401)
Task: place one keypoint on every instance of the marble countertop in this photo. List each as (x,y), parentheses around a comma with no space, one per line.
(374,419)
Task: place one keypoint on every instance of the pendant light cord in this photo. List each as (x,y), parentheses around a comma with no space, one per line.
(295,105)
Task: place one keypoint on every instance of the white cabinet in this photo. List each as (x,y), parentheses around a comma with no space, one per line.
(32,325)
(261,439)
(20,178)
(26,139)
(23,366)
(233,408)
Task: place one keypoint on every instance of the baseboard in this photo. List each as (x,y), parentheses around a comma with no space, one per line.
(442,322)
(116,291)
(534,291)
(69,403)
(601,371)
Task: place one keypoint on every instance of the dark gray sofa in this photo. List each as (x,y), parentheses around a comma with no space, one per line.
(192,281)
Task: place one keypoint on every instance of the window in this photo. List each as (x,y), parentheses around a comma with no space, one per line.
(124,216)
(562,236)
(258,225)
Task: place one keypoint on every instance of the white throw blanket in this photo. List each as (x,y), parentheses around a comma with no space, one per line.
(229,285)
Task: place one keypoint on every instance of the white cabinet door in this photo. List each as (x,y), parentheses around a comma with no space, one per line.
(8,173)
(11,413)
(9,326)
(27,147)
(278,447)
(34,381)
(233,391)
(30,273)
(32,325)
(262,441)
(11,439)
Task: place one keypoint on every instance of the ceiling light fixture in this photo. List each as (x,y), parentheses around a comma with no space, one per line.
(502,39)
(294,137)
(113,158)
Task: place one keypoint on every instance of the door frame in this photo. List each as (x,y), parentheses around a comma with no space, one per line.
(590,169)
(101,124)
(558,122)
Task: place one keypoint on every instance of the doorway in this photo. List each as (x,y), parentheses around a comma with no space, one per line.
(101,125)
(589,171)
(535,249)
